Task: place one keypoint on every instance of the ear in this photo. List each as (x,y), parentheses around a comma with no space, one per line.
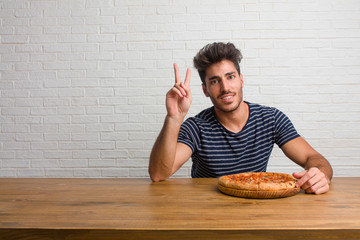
(204,90)
(242,80)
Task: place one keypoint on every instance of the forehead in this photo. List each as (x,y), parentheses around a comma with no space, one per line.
(220,69)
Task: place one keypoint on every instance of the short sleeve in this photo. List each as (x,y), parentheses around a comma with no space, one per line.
(284,129)
(189,134)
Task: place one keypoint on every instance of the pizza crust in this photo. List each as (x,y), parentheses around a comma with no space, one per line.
(258,185)
(258,194)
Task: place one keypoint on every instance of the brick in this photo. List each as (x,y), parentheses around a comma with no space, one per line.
(131,163)
(85,47)
(115,172)
(100,110)
(138,172)
(57,119)
(42,146)
(99,3)
(118,12)
(84,119)
(7,155)
(73,163)
(72,145)
(59,172)
(91,29)
(15,163)
(103,38)
(6,30)
(70,21)
(121,28)
(15,22)
(102,163)
(141,10)
(103,145)
(65,92)
(85,137)
(129,144)
(72,38)
(43,21)
(57,137)
(57,12)
(14,39)
(28,120)
(102,127)
(97,92)
(57,155)
(14,128)
(15,146)
(114,154)
(114,136)
(43,39)
(29,173)
(7,172)
(87,173)
(57,47)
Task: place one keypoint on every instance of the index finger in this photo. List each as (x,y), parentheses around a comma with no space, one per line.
(188,77)
(307,176)
(177,74)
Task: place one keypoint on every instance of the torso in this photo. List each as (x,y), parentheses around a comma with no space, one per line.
(218,151)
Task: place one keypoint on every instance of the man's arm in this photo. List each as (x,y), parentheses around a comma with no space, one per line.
(167,155)
(318,172)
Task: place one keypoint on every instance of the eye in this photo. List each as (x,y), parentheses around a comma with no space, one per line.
(231,76)
(213,82)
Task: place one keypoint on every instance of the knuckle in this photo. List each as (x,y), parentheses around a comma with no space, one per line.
(308,175)
(313,189)
(313,170)
(308,190)
(305,186)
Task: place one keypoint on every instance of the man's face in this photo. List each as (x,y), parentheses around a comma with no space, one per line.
(224,86)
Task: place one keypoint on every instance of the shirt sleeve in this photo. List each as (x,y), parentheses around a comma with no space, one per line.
(189,134)
(284,129)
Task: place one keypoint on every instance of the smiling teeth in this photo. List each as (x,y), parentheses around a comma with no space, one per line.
(228,97)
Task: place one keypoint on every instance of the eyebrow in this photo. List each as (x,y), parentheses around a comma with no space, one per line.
(216,76)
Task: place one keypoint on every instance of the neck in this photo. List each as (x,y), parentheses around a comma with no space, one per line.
(234,121)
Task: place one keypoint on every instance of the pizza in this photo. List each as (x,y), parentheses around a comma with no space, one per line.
(259,185)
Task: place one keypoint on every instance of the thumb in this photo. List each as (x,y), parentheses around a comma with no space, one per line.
(299,174)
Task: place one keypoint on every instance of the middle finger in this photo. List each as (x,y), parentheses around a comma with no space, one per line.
(177,73)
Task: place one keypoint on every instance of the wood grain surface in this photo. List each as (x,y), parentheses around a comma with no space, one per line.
(173,209)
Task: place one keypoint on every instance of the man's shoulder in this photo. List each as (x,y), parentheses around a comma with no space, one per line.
(262,112)
(205,115)
(204,118)
(261,109)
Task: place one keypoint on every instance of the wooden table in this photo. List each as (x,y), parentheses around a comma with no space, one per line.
(173,209)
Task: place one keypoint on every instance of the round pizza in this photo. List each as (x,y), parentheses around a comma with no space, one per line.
(259,185)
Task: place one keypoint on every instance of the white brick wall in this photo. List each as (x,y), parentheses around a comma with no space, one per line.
(83,82)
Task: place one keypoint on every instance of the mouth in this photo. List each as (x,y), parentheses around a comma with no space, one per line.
(227,98)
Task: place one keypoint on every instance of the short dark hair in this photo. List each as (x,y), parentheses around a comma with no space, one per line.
(214,53)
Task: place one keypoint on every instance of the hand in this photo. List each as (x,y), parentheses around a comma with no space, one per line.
(313,181)
(178,98)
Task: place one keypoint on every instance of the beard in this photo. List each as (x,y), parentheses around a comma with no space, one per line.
(222,107)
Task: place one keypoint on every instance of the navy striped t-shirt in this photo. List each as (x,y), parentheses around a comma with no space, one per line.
(217,151)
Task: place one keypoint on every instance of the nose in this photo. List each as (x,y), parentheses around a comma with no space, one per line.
(225,86)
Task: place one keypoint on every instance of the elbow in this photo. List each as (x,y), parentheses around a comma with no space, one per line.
(156,177)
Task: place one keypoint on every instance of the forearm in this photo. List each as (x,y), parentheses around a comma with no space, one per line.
(163,154)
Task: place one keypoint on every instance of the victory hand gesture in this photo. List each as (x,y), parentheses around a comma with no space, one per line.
(178,98)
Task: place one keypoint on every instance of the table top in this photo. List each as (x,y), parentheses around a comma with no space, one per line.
(175,204)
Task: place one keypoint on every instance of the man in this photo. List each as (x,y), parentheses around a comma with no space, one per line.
(233,136)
